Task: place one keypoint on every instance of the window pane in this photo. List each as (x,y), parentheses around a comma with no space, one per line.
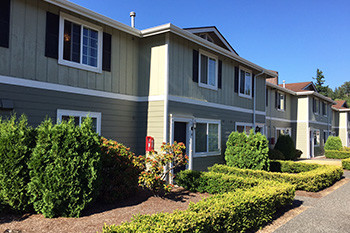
(213,137)
(94,122)
(204,69)
(281,102)
(76,43)
(212,72)
(90,44)
(278,134)
(247,83)
(240,128)
(201,137)
(247,129)
(67,39)
(242,82)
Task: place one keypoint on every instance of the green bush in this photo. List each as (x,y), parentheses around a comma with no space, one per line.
(17,141)
(312,177)
(120,172)
(65,165)
(212,182)
(333,143)
(336,154)
(286,145)
(276,155)
(346,163)
(247,151)
(236,211)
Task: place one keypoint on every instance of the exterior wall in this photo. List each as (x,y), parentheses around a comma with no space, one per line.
(319,117)
(290,113)
(343,127)
(228,121)
(302,135)
(121,120)
(155,123)
(25,57)
(181,72)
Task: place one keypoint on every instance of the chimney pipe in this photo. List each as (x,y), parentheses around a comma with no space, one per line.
(284,83)
(132,15)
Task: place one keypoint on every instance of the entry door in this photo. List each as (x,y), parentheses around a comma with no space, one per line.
(180,135)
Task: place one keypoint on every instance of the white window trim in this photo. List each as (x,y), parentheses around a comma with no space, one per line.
(209,55)
(83,23)
(65,112)
(205,154)
(239,83)
(244,124)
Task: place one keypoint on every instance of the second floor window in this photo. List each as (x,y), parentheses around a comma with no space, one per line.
(245,83)
(280,101)
(80,44)
(208,71)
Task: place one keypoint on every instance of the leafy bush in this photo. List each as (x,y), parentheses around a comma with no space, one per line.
(336,154)
(313,178)
(275,155)
(17,141)
(286,145)
(153,178)
(346,163)
(120,171)
(333,143)
(236,211)
(247,151)
(212,182)
(346,148)
(64,168)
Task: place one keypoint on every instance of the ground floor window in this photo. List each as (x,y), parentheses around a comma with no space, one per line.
(207,137)
(326,134)
(78,116)
(283,131)
(316,136)
(244,127)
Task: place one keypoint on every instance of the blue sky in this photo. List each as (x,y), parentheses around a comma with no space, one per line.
(292,37)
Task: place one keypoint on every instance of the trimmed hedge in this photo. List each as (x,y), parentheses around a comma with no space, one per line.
(346,163)
(311,177)
(333,143)
(336,154)
(236,211)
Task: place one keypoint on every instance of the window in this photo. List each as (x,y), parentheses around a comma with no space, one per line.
(245,83)
(244,127)
(283,131)
(280,101)
(207,137)
(316,138)
(326,134)
(208,70)
(80,44)
(316,106)
(324,109)
(79,116)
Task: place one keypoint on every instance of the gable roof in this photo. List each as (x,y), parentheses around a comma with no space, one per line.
(300,87)
(341,104)
(213,32)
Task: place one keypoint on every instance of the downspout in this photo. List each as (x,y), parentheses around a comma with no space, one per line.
(254,100)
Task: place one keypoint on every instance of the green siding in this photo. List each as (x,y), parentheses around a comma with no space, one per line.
(291,106)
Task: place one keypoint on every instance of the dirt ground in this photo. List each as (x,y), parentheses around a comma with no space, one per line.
(95,218)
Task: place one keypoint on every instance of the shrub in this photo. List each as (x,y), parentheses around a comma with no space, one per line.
(333,143)
(236,211)
(286,145)
(313,177)
(275,155)
(346,148)
(120,171)
(247,151)
(153,178)
(17,141)
(64,168)
(346,163)
(336,154)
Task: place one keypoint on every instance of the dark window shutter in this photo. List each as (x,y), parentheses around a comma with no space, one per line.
(195,65)
(267,97)
(276,99)
(236,78)
(285,102)
(107,51)
(5,23)
(313,104)
(52,30)
(253,84)
(220,74)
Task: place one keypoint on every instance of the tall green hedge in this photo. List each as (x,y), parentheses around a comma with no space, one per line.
(346,163)
(250,152)
(286,145)
(17,141)
(64,168)
(311,177)
(237,211)
(333,143)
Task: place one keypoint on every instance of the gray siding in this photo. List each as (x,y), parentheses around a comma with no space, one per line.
(124,121)
(291,106)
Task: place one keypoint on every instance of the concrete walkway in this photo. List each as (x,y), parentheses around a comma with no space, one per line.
(322,160)
(328,214)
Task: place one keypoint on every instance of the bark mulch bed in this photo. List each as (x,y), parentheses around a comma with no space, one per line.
(95,218)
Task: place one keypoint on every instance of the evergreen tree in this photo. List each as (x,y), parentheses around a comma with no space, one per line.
(319,83)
